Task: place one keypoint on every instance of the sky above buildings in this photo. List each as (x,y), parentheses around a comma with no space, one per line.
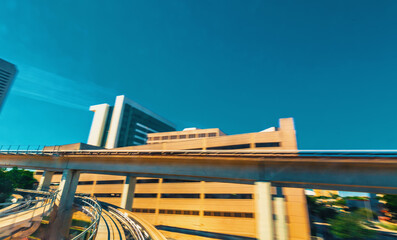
(236,65)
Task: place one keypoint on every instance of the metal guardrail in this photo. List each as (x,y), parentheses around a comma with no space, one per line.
(136,229)
(56,150)
(30,211)
(47,199)
(92,208)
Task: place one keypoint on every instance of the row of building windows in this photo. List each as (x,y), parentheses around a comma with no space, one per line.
(172,137)
(229,214)
(180,195)
(196,213)
(180,212)
(109,195)
(144,210)
(242,146)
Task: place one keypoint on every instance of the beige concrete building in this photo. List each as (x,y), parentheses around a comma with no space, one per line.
(206,207)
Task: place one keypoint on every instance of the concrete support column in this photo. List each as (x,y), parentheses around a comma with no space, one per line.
(45,180)
(281,216)
(374,203)
(62,219)
(264,211)
(127,197)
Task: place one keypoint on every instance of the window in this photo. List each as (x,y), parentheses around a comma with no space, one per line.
(147,181)
(110,182)
(239,146)
(211,134)
(111,195)
(228,196)
(228,214)
(180,195)
(170,180)
(173,137)
(268,144)
(164,138)
(86,183)
(143,210)
(182,136)
(201,135)
(145,195)
(156,138)
(181,212)
(192,135)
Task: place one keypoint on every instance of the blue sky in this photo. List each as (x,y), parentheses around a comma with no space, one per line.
(236,65)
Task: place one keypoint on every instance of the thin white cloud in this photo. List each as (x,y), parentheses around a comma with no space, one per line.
(38,84)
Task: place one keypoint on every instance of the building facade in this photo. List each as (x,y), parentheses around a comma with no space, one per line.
(126,123)
(7,75)
(202,206)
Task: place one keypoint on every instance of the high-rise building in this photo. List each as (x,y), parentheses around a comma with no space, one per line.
(125,124)
(7,74)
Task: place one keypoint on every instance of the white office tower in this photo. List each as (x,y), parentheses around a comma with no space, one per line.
(124,124)
(7,75)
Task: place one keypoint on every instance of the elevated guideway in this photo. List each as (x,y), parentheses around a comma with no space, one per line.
(368,171)
(365,171)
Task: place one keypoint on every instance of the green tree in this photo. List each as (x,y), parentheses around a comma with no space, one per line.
(391,203)
(5,186)
(350,226)
(21,178)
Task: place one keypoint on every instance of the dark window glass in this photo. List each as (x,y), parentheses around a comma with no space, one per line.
(164,138)
(147,181)
(211,134)
(173,137)
(170,180)
(144,210)
(268,144)
(229,196)
(239,146)
(182,136)
(201,135)
(180,195)
(110,182)
(107,195)
(192,135)
(86,183)
(229,214)
(156,138)
(145,195)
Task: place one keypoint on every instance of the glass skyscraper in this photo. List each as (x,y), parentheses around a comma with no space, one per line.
(124,124)
(7,74)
